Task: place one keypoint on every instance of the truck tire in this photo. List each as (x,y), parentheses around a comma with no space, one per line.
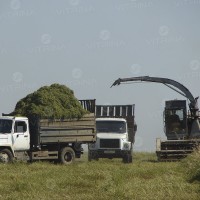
(92,156)
(128,158)
(67,155)
(96,158)
(89,156)
(158,157)
(6,156)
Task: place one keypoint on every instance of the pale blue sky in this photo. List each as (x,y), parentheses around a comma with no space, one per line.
(87,44)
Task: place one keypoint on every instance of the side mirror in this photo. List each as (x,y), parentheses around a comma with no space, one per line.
(135,127)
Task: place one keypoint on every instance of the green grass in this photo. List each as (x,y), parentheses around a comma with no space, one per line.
(104,179)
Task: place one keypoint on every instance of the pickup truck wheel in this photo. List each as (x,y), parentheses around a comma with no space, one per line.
(6,156)
(67,155)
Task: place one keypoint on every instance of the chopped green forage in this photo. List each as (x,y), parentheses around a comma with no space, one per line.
(55,101)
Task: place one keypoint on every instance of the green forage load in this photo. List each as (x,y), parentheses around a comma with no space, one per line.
(55,101)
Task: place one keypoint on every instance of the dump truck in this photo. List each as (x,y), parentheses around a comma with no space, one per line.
(182,127)
(115,125)
(46,139)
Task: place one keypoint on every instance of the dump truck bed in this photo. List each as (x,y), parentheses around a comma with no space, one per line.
(74,130)
(55,131)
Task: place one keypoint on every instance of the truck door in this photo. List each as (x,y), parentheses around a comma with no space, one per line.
(21,136)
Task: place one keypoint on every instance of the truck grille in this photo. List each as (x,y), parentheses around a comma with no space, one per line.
(109,143)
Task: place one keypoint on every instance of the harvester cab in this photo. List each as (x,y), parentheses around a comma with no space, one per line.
(175,120)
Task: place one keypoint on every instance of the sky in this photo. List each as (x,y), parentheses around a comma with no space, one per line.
(88,44)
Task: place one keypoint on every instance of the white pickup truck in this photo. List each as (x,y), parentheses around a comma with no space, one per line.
(116,128)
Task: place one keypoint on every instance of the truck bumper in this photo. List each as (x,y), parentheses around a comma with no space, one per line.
(111,153)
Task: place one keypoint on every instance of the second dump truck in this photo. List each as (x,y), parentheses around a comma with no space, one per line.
(116,129)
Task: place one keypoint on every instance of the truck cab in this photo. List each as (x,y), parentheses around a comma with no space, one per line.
(14,136)
(115,133)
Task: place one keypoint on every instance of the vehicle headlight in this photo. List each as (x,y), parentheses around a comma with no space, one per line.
(126,145)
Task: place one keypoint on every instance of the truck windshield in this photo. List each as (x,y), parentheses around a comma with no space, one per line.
(111,126)
(5,126)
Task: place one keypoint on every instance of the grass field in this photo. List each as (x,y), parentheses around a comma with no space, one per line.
(105,179)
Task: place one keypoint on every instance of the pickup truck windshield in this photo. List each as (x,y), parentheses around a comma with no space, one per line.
(5,126)
(111,126)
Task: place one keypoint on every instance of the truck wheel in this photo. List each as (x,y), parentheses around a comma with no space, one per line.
(127,158)
(96,158)
(92,156)
(158,157)
(130,158)
(67,155)
(89,156)
(6,156)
